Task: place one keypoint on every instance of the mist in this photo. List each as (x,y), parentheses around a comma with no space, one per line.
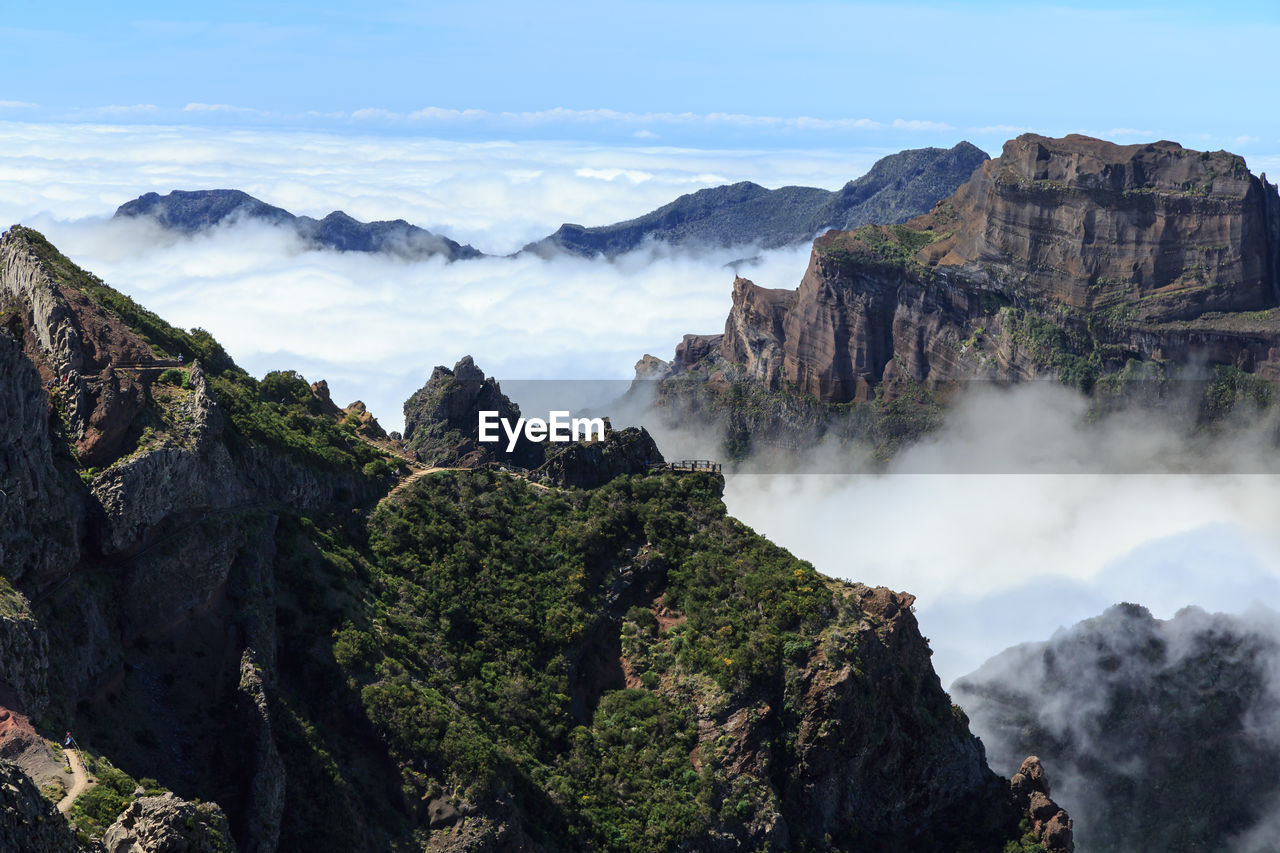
(496,195)
(1158,735)
(374,326)
(1025,513)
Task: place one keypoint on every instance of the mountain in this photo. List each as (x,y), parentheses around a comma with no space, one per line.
(1163,734)
(1103,266)
(190,212)
(268,626)
(896,188)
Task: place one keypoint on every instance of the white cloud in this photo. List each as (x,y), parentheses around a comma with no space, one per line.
(1004,528)
(496,195)
(196,107)
(18,105)
(1027,552)
(123,109)
(918,124)
(374,327)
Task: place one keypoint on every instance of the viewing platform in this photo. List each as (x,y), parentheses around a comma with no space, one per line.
(689,466)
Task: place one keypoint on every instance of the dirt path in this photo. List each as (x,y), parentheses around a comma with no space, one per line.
(78,786)
(418,475)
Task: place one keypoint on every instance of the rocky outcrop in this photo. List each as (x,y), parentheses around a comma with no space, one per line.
(190,212)
(169,824)
(1063,257)
(895,189)
(24,654)
(28,822)
(40,517)
(268,787)
(1050,824)
(1090,224)
(587,464)
(878,744)
(75,343)
(441,420)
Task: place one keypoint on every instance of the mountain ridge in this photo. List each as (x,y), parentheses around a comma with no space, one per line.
(896,188)
(189,212)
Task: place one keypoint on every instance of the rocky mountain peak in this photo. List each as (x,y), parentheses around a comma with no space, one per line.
(1171,232)
(441,419)
(1062,257)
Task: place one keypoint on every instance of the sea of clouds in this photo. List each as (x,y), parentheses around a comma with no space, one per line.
(1006,526)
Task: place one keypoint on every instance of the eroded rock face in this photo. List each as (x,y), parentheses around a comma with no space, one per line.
(28,822)
(74,343)
(1089,223)
(24,656)
(40,517)
(1051,824)
(1139,252)
(441,420)
(169,824)
(588,464)
(923,774)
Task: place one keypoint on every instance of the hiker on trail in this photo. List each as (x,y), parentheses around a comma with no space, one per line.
(67,742)
(179,359)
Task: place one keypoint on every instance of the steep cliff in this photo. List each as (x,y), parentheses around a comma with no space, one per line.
(1071,258)
(140,496)
(28,821)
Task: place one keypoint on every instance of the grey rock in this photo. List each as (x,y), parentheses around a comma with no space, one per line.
(896,188)
(40,518)
(28,822)
(587,464)
(169,824)
(441,420)
(190,212)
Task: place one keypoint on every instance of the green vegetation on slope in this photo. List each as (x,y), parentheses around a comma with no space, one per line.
(471,627)
(874,247)
(279,411)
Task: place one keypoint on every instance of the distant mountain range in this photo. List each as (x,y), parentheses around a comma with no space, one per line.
(897,188)
(189,212)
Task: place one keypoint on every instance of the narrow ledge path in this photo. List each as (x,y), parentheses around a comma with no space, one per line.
(80,783)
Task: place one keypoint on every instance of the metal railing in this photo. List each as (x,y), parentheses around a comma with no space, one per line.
(691,466)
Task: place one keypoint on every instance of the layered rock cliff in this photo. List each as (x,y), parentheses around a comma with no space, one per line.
(1071,258)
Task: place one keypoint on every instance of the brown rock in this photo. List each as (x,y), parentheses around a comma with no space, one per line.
(1029,789)
(1163,238)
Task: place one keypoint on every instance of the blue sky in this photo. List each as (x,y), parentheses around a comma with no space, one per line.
(702,74)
